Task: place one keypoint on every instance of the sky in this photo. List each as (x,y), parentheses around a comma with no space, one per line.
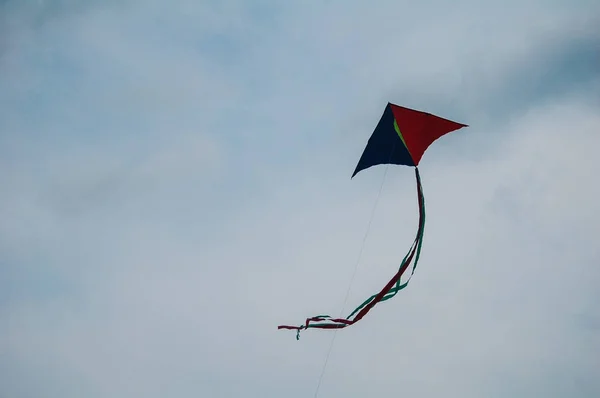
(175,183)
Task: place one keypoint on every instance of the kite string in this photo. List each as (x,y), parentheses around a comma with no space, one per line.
(360,252)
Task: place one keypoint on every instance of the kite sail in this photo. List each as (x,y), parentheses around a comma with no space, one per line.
(400,138)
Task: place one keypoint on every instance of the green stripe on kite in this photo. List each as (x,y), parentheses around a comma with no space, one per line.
(400,134)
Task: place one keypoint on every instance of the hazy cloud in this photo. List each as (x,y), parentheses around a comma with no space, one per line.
(176,183)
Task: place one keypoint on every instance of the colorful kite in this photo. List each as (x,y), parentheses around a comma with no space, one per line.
(400,138)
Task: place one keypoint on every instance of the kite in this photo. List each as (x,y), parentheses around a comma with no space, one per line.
(400,138)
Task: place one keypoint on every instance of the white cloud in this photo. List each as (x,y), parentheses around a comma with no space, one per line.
(183,201)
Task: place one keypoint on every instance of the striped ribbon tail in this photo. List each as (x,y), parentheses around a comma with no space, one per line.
(389,290)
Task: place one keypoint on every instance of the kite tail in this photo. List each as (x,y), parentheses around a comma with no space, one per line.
(389,290)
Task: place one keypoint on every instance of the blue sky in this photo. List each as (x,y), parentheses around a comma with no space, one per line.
(176,183)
